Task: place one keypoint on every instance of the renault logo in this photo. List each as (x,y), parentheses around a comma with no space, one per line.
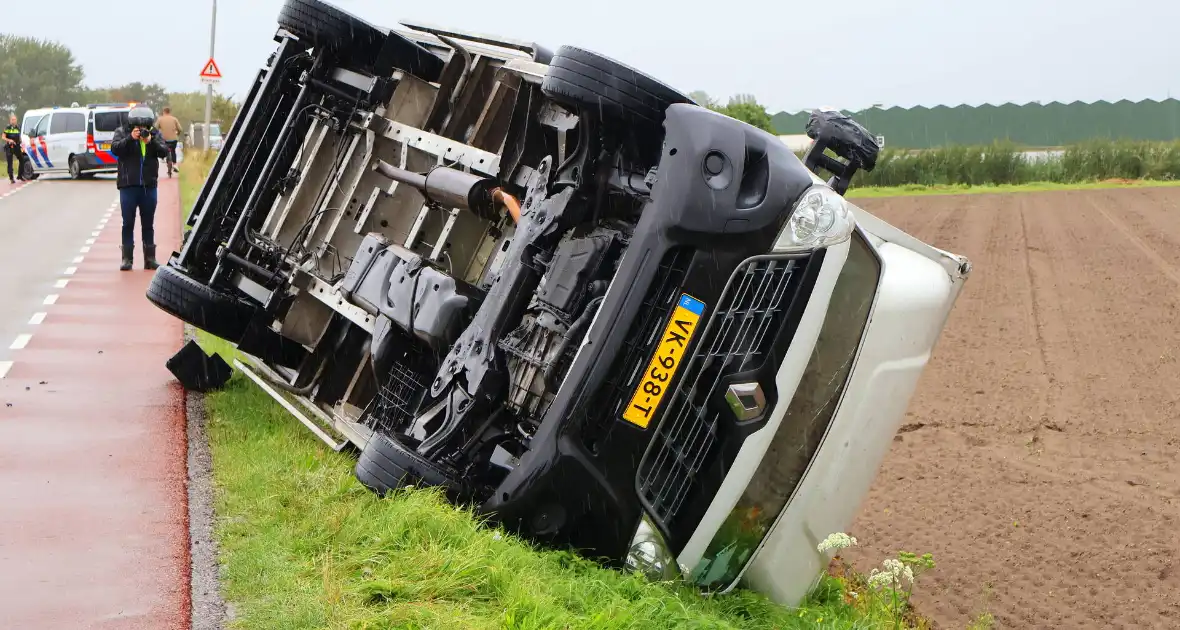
(746,400)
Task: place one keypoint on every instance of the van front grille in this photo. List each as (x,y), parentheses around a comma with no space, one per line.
(748,317)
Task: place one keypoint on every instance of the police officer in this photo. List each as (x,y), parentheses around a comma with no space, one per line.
(12,146)
(139,148)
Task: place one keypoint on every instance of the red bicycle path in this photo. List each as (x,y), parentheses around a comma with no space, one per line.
(93,477)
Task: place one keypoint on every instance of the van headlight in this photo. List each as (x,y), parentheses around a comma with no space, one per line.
(649,555)
(821,218)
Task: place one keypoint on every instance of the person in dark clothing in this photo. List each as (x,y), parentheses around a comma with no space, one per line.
(139,149)
(12,146)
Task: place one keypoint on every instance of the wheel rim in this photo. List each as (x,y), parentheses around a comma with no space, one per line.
(75,172)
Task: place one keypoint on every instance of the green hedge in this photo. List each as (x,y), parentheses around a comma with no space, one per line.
(1004,163)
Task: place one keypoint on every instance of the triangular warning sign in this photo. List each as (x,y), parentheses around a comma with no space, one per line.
(211,70)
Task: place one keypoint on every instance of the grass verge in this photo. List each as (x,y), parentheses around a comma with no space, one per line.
(303,545)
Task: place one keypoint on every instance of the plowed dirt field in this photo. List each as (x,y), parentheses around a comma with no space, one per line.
(1038,462)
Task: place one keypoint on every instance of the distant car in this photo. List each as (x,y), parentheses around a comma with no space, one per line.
(197,133)
(73,140)
(562,292)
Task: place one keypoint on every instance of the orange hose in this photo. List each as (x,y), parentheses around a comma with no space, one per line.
(509,202)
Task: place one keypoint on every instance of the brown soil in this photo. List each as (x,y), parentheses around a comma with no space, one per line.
(1039,459)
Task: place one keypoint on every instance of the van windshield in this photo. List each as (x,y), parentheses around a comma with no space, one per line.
(109,121)
(214,129)
(30,124)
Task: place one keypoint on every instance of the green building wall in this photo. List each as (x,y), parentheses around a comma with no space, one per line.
(1034,125)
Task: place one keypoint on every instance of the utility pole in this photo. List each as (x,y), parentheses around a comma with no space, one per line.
(209,88)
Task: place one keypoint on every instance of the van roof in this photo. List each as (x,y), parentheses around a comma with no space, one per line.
(41,111)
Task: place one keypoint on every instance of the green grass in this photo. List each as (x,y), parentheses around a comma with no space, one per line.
(1002,163)
(304,545)
(952,189)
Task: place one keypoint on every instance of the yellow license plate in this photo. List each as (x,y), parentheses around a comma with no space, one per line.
(664,363)
(105,146)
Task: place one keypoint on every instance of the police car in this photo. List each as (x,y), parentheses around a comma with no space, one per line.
(73,140)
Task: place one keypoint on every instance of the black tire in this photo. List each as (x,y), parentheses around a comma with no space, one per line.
(323,25)
(386,465)
(75,169)
(198,304)
(589,80)
(26,170)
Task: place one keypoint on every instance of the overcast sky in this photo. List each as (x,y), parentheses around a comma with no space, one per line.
(792,55)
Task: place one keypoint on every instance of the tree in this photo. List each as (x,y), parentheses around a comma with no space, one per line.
(750,113)
(152,95)
(743,107)
(36,73)
(189,107)
(701,97)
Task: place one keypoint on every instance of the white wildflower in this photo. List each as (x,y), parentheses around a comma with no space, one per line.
(895,575)
(880,579)
(836,542)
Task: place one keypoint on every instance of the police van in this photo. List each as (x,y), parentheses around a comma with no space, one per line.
(73,140)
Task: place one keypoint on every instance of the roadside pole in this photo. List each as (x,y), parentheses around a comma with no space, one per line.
(209,88)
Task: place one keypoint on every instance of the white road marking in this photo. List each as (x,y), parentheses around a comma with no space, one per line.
(89,241)
(21,342)
(71,271)
(84,250)
(95,234)
(77,260)
(4,367)
(61,284)
(36,319)
(50,300)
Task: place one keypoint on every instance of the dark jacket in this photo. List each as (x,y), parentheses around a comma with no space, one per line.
(11,133)
(139,164)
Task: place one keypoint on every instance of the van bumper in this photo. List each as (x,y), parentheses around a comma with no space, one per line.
(102,162)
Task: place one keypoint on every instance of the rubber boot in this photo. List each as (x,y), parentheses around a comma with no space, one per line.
(128,258)
(149,258)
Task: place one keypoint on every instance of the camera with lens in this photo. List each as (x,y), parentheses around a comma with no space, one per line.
(143,119)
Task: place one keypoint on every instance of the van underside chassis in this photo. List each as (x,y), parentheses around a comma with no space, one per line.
(543,282)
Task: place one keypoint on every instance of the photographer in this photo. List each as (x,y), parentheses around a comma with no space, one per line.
(139,149)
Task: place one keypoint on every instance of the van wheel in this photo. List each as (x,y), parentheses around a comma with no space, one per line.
(199,304)
(321,24)
(75,168)
(589,80)
(386,465)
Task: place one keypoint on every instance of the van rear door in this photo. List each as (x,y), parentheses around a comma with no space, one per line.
(104,121)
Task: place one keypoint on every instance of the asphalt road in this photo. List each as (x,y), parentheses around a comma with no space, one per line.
(93,511)
(43,227)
